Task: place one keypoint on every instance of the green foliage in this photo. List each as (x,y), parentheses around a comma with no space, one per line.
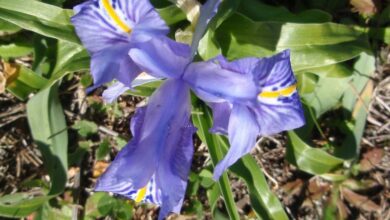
(48,127)
(332,58)
(20,204)
(85,128)
(264,202)
(39,17)
(101,204)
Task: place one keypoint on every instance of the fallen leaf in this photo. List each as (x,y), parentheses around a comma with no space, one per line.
(343,209)
(9,74)
(359,201)
(99,168)
(317,188)
(371,158)
(3,82)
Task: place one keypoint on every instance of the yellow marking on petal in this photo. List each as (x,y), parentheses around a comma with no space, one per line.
(275,94)
(140,195)
(114,16)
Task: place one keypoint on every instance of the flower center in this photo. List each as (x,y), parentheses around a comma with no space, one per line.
(114,16)
(140,195)
(276,94)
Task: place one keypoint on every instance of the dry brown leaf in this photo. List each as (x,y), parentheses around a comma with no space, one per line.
(343,209)
(364,7)
(371,158)
(99,168)
(10,73)
(3,82)
(359,201)
(317,188)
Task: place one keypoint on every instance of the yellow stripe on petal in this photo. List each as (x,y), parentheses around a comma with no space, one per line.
(140,195)
(275,94)
(114,16)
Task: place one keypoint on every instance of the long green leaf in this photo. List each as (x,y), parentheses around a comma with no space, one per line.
(311,45)
(259,11)
(39,17)
(48,127)
(20,205)
(216,155)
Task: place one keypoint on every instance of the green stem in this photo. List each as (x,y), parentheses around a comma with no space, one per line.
(216,155)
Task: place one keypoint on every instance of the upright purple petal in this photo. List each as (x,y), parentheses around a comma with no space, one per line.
(162,57)
(214,83)
(207,12)
(243,131)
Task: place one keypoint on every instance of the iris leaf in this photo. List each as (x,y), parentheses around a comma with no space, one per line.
(309,159)
(203,125)
(48,127)
(39,17)
(311,45)
(19,205)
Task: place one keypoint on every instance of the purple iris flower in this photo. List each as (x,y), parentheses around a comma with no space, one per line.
(109,28)
(154,166)
(249,96)
(267,105)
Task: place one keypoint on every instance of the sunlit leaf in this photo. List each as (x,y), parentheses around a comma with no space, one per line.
(39,17)
(48,127)
(309,159)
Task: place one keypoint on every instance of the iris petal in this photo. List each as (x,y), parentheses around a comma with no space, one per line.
(113,63)
(162,57)
(109,28)
(213,83)
(243,131)
(159,155)
(278,107)
(221,114)
(114,91)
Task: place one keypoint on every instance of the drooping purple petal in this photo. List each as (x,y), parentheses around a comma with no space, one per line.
(213,83)
(154,166)
(161,57)
(109,28)
(96,29)
(243,131)
(174,169)
(278,107)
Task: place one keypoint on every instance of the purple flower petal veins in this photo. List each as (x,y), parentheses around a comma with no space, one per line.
(260,92)
(155,164)
(109,28)
(273,107)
